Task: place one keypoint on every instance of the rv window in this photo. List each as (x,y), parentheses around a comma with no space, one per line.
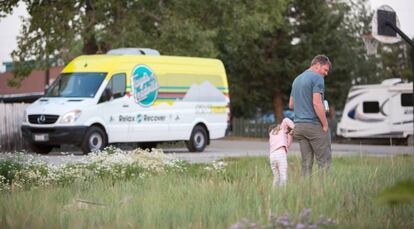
(407,99)
(371,107)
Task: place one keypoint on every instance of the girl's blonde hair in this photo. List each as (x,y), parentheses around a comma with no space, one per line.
(274,129)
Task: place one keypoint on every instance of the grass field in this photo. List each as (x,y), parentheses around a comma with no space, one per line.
(236,194)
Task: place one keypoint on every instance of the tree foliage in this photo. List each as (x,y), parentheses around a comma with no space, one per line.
(264,44)
(279,54)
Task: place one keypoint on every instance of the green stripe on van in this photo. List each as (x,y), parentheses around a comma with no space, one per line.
(173,98)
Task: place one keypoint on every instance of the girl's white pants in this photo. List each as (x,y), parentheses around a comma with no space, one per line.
(278,163)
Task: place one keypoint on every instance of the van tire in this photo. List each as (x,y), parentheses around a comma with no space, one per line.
(40,149)
(95,139)
(198,139)
(410,140)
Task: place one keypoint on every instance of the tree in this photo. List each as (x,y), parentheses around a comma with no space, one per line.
(47,35)
(62,30)
(334,28)
(39,41)
(247,48)
(394,61)
(263,44)
(267,64)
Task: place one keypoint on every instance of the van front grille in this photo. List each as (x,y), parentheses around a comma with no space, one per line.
(43,119)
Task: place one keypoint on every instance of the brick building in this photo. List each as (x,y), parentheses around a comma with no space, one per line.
(31,88)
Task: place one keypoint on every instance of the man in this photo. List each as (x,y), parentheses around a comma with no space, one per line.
(311,125)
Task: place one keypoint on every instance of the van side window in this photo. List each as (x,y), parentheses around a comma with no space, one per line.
(371,107)
(407,99)
(117,85)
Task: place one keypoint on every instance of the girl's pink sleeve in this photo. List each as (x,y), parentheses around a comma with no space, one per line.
(288,123)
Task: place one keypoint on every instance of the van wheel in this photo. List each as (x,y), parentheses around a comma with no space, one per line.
(95,139)
(198,139)
(410,140)
(40,149)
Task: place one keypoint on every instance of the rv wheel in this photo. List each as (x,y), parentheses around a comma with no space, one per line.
(198,139)
(95,139)
(40,149)
(410,140)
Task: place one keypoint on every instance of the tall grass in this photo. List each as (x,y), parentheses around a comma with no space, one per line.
(202,198)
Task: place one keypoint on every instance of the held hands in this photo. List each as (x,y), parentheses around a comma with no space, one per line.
(325,128)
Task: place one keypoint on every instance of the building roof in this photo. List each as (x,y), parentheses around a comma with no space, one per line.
(31,86)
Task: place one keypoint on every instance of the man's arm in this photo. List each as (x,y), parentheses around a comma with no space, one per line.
(291,103)
(320,110)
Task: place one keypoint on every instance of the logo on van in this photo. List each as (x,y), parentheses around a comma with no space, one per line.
(41,119)
(150,118)
(145,85)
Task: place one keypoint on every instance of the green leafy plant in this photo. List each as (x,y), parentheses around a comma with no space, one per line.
(400,193)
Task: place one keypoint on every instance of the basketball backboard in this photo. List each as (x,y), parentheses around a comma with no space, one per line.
(380,30)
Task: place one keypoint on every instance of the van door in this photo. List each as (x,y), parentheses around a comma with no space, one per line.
(114,109)
(151,124)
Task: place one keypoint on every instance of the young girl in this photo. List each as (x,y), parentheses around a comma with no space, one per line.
(280,138)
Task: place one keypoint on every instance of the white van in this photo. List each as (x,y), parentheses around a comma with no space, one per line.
(116,98)
(379,111)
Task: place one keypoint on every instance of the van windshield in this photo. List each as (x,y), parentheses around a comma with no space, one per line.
(77,84)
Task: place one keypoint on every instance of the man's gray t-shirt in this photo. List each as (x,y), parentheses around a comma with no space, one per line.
(303,87)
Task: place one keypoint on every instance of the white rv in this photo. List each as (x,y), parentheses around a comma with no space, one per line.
(379,111)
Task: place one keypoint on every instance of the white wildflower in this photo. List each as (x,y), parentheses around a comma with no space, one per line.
(30,171)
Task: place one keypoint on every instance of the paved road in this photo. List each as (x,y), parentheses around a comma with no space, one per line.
(251,147)
(236,148)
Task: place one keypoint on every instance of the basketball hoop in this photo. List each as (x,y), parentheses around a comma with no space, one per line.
(371,44)
(380,32)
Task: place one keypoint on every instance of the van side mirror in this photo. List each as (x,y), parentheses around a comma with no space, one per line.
(118,95)
(46,90)
(106,95)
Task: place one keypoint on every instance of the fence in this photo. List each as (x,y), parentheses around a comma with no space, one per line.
(11,118)
(250,128)
(259,129)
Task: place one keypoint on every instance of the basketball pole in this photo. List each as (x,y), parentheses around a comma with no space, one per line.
(408,40)
(405,37)
(411,43)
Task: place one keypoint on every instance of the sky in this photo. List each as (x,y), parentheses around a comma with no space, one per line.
(10,26)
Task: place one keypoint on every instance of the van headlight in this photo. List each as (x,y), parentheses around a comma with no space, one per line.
(70,117)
